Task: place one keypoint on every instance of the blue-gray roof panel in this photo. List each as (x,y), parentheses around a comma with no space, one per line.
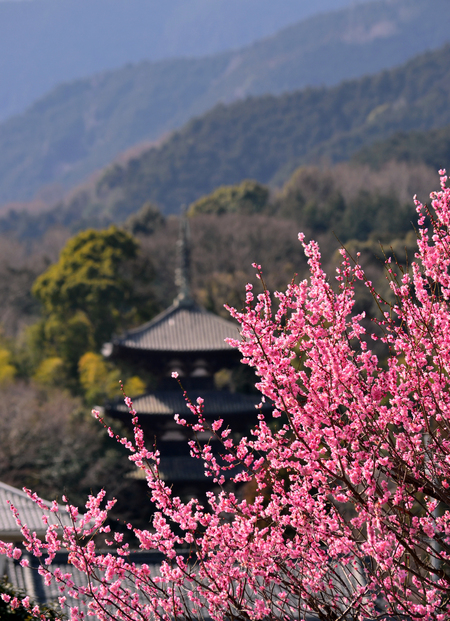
(181,329)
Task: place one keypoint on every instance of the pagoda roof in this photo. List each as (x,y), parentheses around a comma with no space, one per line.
(184,468)
(181,468)
(182,328)
(216,403)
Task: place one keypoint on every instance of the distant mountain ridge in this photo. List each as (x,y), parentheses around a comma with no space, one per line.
(46,42)
(263,138)
(81,126)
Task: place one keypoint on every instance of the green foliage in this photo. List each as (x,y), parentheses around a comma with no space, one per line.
(315,200)
(311,198)
(7,370)
(146,221)
(430,147)
(59,337)
(94,289)
(97,380)
(267,138)
(7,613)
(374,214)
(72,335)
(345,202)
(51,372)
(134,386)
(247,198)
(87,293)
(101,380)
(89,278)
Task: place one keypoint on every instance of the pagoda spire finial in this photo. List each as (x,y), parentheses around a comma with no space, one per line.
(183,271)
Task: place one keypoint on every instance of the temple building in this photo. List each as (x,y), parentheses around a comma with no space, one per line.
(184,338)
(189,340)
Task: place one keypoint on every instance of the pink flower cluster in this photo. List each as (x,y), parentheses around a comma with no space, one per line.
(350,515)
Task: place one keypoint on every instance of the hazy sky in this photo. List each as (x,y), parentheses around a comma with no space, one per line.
(45,42)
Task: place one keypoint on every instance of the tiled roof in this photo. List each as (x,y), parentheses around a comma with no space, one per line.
(181,469)
(176,468)
(216,403)
(181,328)
(27,579)
(30,514)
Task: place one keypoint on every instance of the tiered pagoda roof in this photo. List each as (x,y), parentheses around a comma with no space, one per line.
(216,403)
(188,339)
(184,328)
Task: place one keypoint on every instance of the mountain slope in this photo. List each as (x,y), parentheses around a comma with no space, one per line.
(264,138)
(81,126)
(95,35)
(430,147)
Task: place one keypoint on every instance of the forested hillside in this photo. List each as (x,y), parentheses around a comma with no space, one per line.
(430,147)
(262,138)
(83,125)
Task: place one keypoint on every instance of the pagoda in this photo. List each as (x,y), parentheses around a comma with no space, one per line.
(188,340)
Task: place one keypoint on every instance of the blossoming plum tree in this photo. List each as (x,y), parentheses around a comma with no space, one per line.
(350,518)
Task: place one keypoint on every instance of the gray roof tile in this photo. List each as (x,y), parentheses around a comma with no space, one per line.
(181,469)
(216,403)
(30,581)
(27,579)
(30,514)
(181,328)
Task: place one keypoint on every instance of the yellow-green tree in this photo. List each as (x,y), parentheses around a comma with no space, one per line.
(86,296)
(247,198)
(100,380)
(7,369)
(90,279)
